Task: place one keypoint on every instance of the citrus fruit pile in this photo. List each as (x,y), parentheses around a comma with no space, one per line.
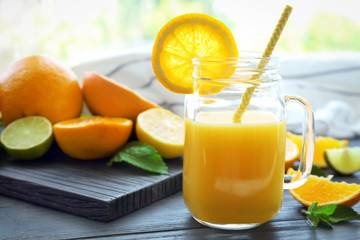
(41,100)
(333,153)
(321,144)
(54,94)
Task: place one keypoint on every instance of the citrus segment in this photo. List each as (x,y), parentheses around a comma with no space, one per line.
(27,138)
(324,191)
(39,85)
(184,38)
(108,98)
(344,160)
(93,137)
(321,144)
(291,154)
(163,130)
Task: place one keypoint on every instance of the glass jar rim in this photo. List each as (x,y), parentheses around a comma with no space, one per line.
(243,55)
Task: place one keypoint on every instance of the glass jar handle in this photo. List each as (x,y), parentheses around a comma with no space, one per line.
(308,146)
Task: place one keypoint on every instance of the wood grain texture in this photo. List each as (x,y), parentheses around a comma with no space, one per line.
(165,219)
(87,188)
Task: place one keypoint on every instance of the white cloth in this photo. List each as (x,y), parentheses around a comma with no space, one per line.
(336,119)
(330,82)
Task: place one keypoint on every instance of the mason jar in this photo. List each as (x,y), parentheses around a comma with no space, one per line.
(235,141)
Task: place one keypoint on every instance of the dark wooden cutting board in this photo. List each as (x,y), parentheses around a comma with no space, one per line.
(86,188)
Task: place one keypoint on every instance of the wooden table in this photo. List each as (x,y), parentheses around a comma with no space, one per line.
(165,219)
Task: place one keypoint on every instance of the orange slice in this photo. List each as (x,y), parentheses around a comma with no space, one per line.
(324,191)
(93,137)
(291,154)
(321,144)
(184,38)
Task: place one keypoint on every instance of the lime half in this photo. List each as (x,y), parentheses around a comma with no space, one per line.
(27,138)
(344,160)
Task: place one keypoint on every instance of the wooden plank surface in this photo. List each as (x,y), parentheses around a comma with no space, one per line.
(86,188)
(165,219)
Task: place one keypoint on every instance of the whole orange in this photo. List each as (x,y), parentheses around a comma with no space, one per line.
(39,85)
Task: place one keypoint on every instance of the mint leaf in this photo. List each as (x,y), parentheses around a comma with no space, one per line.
(325,209)
(324,221)
(317,171)
(141,155)
(312,219)
(313,207)
(343,213)
(329,214)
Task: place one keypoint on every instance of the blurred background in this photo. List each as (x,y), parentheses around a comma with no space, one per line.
(74,31)
(319,48)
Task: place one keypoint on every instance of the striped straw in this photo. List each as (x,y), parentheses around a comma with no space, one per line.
(245,99)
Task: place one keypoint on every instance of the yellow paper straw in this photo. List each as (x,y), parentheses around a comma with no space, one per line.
(245,99)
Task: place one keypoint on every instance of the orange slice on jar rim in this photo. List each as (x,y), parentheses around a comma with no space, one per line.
(184,38)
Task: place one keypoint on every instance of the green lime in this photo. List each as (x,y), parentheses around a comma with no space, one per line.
(28,137)
(343,160)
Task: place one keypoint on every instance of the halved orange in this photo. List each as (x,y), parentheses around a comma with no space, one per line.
(324,191)
(93,137)
(321,144)
(106,97)
(163,130)
(291,154)
(184,38)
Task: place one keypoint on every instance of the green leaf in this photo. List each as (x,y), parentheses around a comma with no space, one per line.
(343,213)
(329,214)
(313,207)
(312,219)
(1,123)
(317,171)
(324,221)
(325,209)
(141,155)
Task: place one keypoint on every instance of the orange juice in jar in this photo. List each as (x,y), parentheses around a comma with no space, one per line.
(234,171)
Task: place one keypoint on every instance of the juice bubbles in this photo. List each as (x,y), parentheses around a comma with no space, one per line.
(233,173)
